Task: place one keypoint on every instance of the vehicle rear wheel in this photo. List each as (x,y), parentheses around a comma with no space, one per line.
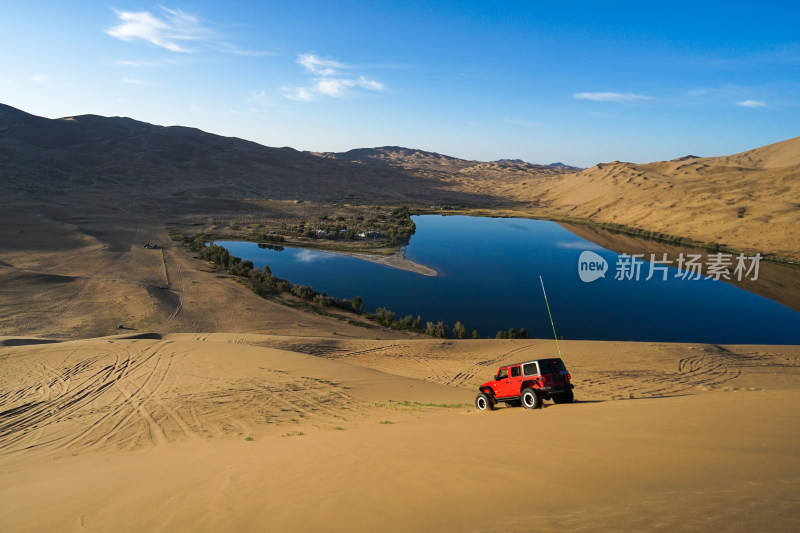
(567,397)
(530,399)
(484,402)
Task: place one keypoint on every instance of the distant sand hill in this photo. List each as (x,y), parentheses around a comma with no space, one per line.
(749,200)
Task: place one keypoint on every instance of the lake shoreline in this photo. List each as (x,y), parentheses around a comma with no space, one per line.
(488,273)
(611,227)
(397,260)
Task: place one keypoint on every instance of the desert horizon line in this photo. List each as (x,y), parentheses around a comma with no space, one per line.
(433,152)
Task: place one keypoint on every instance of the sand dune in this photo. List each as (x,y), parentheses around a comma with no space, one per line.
(230,431)
(129,392)
(747,200)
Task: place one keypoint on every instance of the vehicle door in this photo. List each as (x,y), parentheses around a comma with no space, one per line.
(509,383)
(502,381)
(514,380)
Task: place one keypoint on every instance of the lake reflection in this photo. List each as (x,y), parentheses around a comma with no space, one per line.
(488,279)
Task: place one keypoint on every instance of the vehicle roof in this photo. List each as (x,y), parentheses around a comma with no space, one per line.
(530,361)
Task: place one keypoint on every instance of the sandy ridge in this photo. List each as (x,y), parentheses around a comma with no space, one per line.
(206,432)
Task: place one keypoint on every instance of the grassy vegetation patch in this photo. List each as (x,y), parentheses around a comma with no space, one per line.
(406,405)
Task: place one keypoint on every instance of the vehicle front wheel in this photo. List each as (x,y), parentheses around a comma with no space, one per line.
(530,399)
(484,402)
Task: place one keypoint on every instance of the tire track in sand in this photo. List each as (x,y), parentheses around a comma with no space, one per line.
(17,424)
(135,403)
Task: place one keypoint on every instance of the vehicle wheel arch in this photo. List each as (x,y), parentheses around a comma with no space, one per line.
(488,391)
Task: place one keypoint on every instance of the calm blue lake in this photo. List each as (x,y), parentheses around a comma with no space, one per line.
(488,279)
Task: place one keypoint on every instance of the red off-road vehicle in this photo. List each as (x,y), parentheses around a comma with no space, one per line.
(527,384)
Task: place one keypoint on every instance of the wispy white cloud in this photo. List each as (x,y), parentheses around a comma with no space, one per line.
(752,103)
(234,49)
(319,66)
(340,88)
(334,87)
(726,95)
(368,83)
(171,29)
(619,98)
(174,30)
(328,80)
(297,93)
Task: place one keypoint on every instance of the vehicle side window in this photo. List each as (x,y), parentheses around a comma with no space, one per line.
(515,371)
(502,374)
(530,369)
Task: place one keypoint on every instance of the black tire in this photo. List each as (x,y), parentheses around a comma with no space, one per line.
(530,399)
(567,397)
(484,402)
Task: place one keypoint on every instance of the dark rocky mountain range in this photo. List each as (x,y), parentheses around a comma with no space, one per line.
(124,157)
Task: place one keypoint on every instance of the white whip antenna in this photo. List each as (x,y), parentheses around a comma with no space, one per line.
(550,315)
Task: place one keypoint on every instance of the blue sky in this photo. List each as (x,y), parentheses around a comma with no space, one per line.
(578,82)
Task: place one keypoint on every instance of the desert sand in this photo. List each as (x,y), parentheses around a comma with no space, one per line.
(746,201)
(186,432)
(144,390)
